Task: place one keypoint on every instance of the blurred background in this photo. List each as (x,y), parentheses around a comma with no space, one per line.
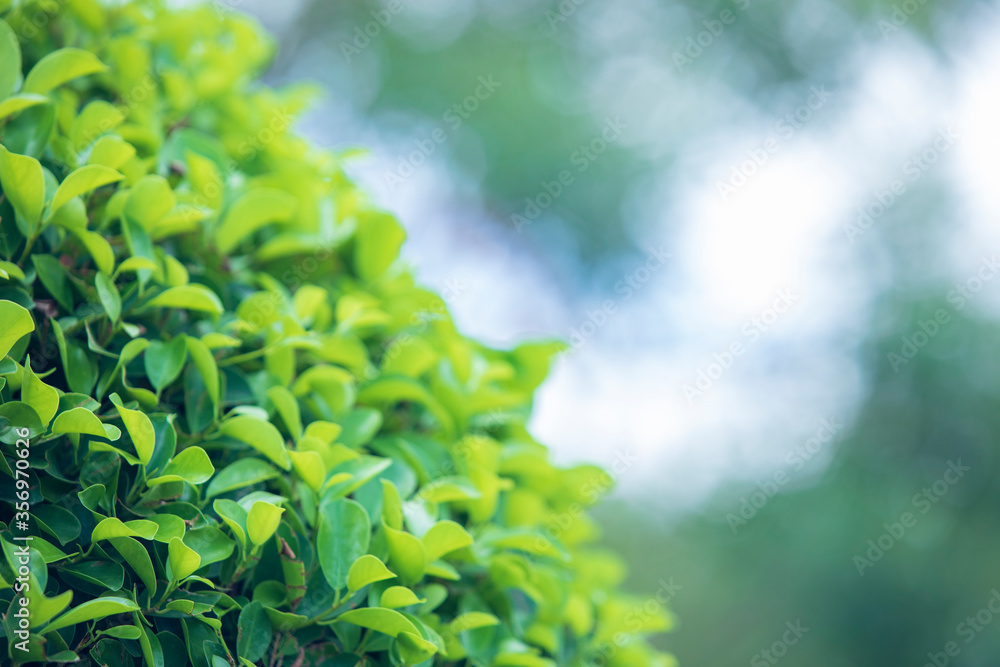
(768,229)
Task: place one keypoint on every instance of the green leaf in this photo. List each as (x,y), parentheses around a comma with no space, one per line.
(445,537)
(59,67)
(84,179)
(379,238)
(82,420)
(309,466)
(366,570)
(288,408)
(108,294)
(191,465)
(139,428)
(386,621)
(262,521)
(42,398)
(189,297)
(206,365)
(164,361)
(342,538)
(210,543)
(253,632)
(259,434)
(473,620)
(234,516)
(53,276)
(406,554)
(92,610)
(182,560)
(395,597)
(112,527)
(149,200)
(23,183)
(250,212)
(244,472)
(171,526)
(413,648)
(13,105)
(138,559)
(10,56)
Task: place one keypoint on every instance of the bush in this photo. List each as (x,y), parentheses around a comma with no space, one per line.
(235,429)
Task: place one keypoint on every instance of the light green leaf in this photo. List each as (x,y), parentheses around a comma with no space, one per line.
(92,610)
(99,249)
(288,408)
(406,554)
(262,521)
(377,243)
(82,420)
(40,396)
(189,297)
(111,151)
(171,526)
(386,621)
(23,183)
(449,489)
(149,200)
(112,527)
(182,560)
(413,648)
(206,365)
(191,465)
(310,468)
(84,179)
(109,296)
(367,570)
(395,597)
(17,103)
(342,538)
(234,516)
(250,212)
(133,264)
(139,428)
(59,67)
(473,620)
(259,434)
(445,537)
